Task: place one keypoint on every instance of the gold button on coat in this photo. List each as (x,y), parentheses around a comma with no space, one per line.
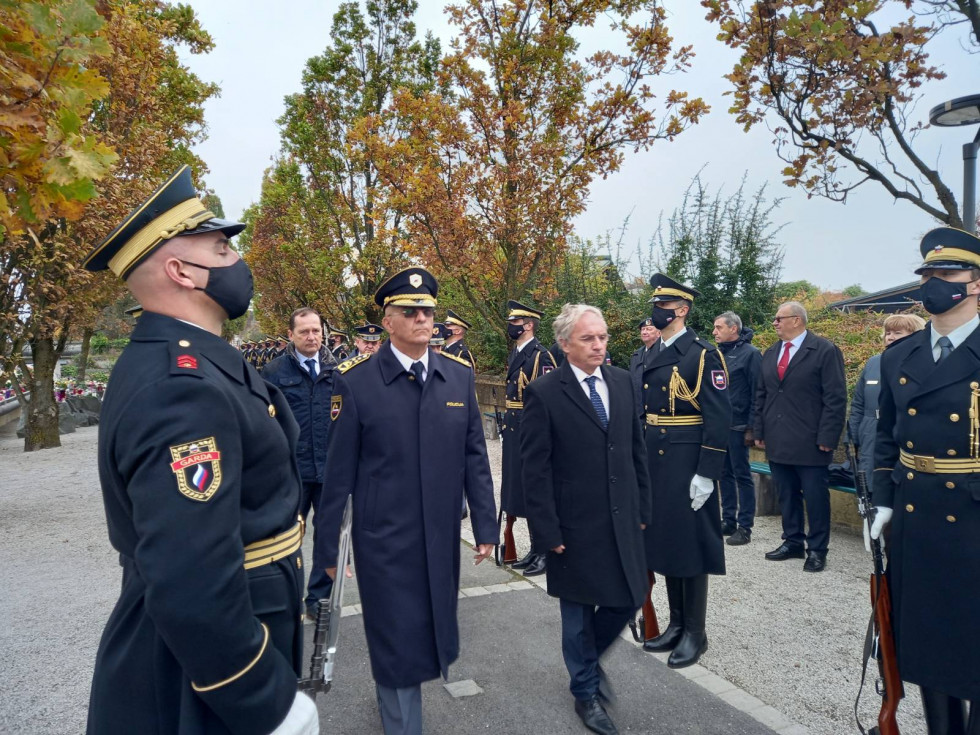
(272,410)
(660,451)
(902,381)
(909,507)
(645,386)
(911,412)
(951,452)
(951,519)
(184,343)
(908,444)
(950,485)
(954,417)
(909,476)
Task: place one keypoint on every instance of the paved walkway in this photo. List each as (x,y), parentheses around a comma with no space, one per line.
(785,646)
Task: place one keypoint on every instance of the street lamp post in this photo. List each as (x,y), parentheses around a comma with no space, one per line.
(963,111)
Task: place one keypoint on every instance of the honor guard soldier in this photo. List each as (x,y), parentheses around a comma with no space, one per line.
(337,342)
(649,335)
(201,490)
(407,443)
(927,456)
(527,361)
(455,342)
(368,339)
(687,415)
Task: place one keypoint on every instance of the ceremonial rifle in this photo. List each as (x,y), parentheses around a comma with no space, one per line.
(648,615)
(880,641)
(326,630)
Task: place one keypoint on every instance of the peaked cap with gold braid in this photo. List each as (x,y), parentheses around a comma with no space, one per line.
(410,287)
(171,211)
(949,249)
(517,310)
(666,288)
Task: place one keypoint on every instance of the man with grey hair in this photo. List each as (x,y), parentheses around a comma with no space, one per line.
(588,500)
(800,403)
(737,489)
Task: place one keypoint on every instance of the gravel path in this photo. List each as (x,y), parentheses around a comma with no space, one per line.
(792,639)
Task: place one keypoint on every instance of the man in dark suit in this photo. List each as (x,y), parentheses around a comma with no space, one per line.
(687,415)
(588,499)
(528,361)
(649,335)
(800,402)
(201,491)
(405,420)
(927,456)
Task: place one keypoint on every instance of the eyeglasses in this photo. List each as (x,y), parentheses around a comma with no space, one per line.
(778,319)
(409,312)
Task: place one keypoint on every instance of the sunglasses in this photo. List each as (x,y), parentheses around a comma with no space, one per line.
(409,312)
(778,319)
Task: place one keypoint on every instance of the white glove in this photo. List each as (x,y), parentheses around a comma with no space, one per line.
(701,489)
(882,516)
(302,718)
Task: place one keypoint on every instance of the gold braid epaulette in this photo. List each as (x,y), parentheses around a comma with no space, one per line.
(680,389)
(351,362)
(455,358)
(975,422)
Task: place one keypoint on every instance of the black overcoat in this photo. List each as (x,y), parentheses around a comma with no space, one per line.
(196,460)
(804,409)
(587,488)
(934,554)
(460,349)
(523,366)
(408,454)
(638,363)
(682,542)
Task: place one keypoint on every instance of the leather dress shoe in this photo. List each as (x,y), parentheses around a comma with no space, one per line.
(536,567)
(594,716)
(815,561)
(784,552)
(741,537)
(727,528)
(524,561)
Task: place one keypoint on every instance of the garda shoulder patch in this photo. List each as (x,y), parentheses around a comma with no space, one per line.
(197,466)
(719,379)
(348,364)
(336,403)
(455,358)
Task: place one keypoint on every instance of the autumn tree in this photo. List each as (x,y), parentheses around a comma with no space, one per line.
(324,233)
(492,171)
(725,247)
(147,113)
(837,80)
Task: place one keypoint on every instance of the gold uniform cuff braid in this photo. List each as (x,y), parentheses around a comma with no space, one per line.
(240,674)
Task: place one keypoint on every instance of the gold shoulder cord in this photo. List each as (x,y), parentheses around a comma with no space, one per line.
(680,389)
(975,420)
(724,365)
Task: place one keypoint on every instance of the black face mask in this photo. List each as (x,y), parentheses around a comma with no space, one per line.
(229,286)
(939,296)
(662,317)
(514,331)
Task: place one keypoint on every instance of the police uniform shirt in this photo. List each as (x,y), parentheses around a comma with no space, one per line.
(600,385)
(956,337)
(406,362)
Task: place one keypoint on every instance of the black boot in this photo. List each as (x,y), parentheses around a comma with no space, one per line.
(945,715)
(672,634)
(693,641)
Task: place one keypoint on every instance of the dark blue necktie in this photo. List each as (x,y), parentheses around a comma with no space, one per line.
(597,402)
(311,366)
(945,348)
(417,371)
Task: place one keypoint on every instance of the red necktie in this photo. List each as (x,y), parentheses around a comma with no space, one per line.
(783,361)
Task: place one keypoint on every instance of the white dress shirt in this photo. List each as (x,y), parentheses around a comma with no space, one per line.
(600,385)
(794,347)
(668,342)
(303,358)
(957,336)
(406,361)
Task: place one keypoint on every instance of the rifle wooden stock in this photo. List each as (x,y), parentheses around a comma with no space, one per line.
(510,550)
(651,629)
(892,690)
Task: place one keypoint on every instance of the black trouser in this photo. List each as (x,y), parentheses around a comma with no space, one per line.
(795,485)
(737,488)
(946,715)
(319,585)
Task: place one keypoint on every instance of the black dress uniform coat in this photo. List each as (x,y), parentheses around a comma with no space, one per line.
(196,460)
(408,453)
(681,542)
(523,366)
(638,362)
(460,349)
(934,550)
(587,488)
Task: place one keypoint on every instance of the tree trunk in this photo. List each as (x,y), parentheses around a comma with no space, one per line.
(83,357)
(41,425)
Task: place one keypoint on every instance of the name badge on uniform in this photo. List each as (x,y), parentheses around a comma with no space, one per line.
(336,403)
(455,404)
(197,466)
(719,379)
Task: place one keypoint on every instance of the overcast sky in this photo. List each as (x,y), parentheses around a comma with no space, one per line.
(262,47)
